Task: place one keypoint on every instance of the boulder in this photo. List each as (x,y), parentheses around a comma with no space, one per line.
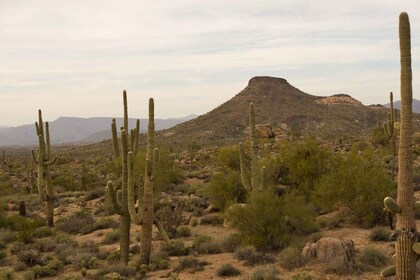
(330,250)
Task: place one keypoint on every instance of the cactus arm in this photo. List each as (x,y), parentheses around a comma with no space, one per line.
(244,178)
(155,164)
(125,110)
(34,157)
(51,162)
(135,216)
(132,139)
(263,183)
(150,130)
(47,139)
(40,124)
(389,271)
(113,198)
(115,138)
(162,231)
(136,137)
(391,205)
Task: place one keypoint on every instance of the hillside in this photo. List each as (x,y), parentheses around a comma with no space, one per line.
(281,107)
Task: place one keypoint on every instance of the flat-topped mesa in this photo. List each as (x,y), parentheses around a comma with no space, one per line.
(266,80)
(339,99)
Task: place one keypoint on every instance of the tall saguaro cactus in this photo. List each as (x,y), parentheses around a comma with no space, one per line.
(119,199)
(144,215)
(258,177)
(43,160)
(406,242)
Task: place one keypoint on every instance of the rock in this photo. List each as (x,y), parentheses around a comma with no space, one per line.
(212,208)
(330,250)
(114,276)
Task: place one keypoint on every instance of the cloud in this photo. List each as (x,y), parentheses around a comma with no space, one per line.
(74,58)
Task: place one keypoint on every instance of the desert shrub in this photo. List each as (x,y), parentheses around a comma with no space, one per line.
(265,273)
(43,231)
(228,270)
(20,266)
(3,254)
(373,257)
(45,245)
(291,257)
(104,223)
(329,222)
(300,165)
(7,236)
(7,275)
(121,269)
(170,217)
(51,269)
(226,189)
(158,261)
(302,276)
(316,236)
(379,234)
(30,257)
(66,181)
(18,247)
(95,193)
(113,256)
(358,182)
(268,221)
(232,242)
(251,257)
(176,248)
(112,237)
(79,222)
(213,219)
(183,231)
(191,263)
(204,244)
(229,157)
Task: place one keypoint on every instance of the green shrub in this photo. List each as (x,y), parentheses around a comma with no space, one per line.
(183,231)
(232,242)
(228,270)
(291,257)
(329,222)
(251,257)
(30,257)
(3,255)
(358,181)
(45,245)
(51,269)
(43,231)
(226,189)
(112,237)
(213,219)
(176,248)
(229,157)
(373,257)
(266,273)
(170,218)
(268,221)
(121,269)
(6,275)
(204,244)
(379,234)
(79,222)
(191,263)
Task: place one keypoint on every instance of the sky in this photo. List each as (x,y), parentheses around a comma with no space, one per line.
(74,58)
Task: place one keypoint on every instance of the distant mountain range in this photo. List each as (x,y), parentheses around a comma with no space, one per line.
(67,130)
(416,105)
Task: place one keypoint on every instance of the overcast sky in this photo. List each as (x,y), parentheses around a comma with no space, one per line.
(74,58)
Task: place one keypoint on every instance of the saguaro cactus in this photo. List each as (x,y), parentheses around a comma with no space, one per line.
(406,232)
(258,177)
(43,160)
(144,216)
(390,132)
(119,199)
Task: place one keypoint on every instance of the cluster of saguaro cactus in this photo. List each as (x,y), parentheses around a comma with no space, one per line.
(43,160)
(407,247)
(124,200)
(119,199)
(258,177)
(391,132)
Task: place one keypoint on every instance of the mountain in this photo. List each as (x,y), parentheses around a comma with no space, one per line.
(397,104)
(279,107)
(77,130)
